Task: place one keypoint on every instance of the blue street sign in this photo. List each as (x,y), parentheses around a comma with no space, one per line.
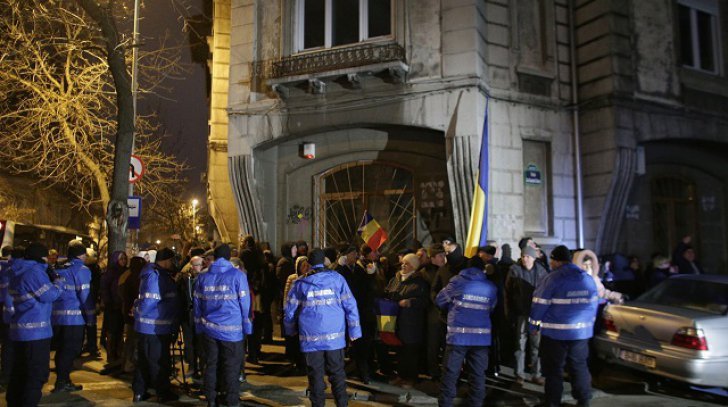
(135,212)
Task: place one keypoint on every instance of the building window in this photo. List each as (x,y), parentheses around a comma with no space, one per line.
(332,23)
(537,187)
(699,34)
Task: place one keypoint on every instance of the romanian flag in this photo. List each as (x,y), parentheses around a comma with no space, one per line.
(373,234)
(478,230)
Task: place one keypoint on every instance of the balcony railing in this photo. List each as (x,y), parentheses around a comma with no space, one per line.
(329,60)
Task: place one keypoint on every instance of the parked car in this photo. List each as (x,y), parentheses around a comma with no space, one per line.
(678,329)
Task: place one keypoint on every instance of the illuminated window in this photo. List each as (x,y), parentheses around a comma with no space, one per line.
(331,23)
(698,31)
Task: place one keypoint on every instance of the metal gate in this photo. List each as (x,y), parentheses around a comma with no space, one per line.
(385,190)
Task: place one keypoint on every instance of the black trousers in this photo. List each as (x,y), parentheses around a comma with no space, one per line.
(255,340)
(69,340)
(555,354)
(223,361)
(329,362)
(92,340)
(6,354)
(30,372)
(408,361)
(153,364)
(363,356)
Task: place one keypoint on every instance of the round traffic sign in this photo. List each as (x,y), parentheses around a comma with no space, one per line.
(136,169)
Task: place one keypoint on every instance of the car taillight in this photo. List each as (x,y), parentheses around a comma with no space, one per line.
(690,338)
(609,324)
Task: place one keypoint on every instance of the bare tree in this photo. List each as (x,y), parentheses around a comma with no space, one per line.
(66,106)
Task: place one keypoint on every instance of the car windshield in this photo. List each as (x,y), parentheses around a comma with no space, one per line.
(706,296)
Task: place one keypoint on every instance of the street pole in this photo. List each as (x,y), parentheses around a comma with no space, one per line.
(194,219)
(133,236)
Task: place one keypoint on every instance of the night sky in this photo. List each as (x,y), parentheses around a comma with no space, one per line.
(183,107)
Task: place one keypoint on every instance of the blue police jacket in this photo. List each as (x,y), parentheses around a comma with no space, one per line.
(75,306)
(33,295)
(157,309)
(6,301)
(320,307)
(468,299)
(221,303)
(565,304)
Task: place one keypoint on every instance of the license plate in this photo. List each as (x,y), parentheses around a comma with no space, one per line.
(640,359)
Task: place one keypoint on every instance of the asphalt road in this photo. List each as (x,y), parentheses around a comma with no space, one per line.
(272,383)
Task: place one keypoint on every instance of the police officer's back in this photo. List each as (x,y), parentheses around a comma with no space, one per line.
(564,309)
(221,310)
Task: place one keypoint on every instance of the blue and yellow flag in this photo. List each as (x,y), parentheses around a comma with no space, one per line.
(478,229)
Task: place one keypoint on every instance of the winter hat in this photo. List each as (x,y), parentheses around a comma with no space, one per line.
(506,251)
(435,249)
(36,251)
(316,257)
(75,249)
(488,249)
(530,251)
(223,251)
(412,259)
(164,254)
(561,253)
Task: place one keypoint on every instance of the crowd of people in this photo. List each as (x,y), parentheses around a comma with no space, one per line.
(333,304)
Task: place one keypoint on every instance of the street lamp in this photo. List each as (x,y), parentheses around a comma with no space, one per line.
(159,241)
(194,219)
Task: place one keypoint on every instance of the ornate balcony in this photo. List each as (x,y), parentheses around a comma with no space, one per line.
(330,60)
(347,62)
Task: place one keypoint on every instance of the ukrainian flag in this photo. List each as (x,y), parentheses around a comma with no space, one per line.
(478,230)
(372,233)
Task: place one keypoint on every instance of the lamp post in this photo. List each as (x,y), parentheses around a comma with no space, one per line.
(194,218)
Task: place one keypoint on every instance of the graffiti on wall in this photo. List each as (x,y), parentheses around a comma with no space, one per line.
(297,214)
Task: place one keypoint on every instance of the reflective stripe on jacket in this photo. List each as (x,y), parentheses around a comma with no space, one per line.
(33,295)
(221,303)
(157,309)
(75,305)
(322,310)
(6,301)
(468,298)
(565,304)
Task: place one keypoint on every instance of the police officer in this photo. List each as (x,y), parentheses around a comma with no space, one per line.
(221,309)
(564,308)
(469,299)
(70,312)
(30,327)
(7,311)
(156,316)
(323,309)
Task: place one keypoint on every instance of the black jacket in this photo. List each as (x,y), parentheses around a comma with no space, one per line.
(519,287)
(411,320)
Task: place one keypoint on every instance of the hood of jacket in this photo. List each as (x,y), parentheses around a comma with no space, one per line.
(26,265)
(321,278)
(473,274)
(220,265)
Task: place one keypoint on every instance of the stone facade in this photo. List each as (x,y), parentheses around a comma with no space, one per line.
(459,56)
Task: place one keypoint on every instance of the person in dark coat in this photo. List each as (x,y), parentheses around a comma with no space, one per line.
(520,284)
(410,290)
(685,259)
(113,319)
(129,291)
(363,286)
(254,262)
(435,322)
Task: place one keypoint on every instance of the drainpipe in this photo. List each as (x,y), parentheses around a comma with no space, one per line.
(577,133)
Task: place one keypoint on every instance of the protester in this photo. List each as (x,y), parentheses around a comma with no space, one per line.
(113,318)
(523,278)
(435,323)
(30,327)
(410,291)
(71,312)
(221,309)
(254,263)
(321,309)
(293,345)
(564,307)
(468,300)
(156,317)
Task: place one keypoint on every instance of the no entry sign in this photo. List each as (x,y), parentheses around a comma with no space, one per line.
(136,169)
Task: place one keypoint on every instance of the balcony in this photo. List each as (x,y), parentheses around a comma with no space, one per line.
(385,60)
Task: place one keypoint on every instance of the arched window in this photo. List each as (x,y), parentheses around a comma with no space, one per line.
(674,212)
(386,191)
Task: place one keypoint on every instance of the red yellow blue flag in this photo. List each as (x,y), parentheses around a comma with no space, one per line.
(478,229)
(372,233)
